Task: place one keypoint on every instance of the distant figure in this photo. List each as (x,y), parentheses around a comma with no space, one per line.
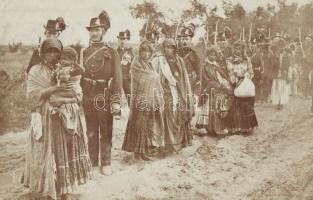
(280,88)
(52,30)
(190,56)
(126,55)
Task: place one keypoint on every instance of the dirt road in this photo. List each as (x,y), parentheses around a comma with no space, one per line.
(276,162)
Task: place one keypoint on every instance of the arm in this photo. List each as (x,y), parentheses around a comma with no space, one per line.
(117,84)
(249,73)
(208,80)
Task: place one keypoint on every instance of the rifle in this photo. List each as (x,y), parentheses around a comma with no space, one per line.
(300,40)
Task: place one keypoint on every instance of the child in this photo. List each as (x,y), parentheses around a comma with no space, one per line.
(68,73)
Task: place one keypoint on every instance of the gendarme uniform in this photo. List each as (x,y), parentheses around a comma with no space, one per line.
(126,55)
(101,83)
(191,59)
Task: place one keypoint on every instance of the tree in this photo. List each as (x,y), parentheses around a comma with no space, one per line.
(148,11)
(209,18)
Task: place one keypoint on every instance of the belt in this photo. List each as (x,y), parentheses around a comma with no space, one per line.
(97,82)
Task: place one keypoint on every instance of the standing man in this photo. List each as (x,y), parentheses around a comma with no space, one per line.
(53,29)
(189,55)
(126,54)
(257,67)
(307,67)
(269,66)
(102,85)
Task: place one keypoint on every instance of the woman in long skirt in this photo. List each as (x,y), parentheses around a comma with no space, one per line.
(178,102)
(215,96)
(241,117)
(57,159)
(144,132)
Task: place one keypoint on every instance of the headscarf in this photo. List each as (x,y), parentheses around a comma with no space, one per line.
(145,45)
(50,43)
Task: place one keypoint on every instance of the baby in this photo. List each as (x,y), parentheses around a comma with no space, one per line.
(68,73)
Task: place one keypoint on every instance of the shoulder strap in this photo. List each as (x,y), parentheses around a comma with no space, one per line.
(187,55)
(95,52)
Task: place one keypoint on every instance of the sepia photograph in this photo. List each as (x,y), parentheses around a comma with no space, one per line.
(156,100)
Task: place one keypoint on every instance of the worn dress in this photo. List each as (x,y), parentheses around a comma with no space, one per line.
(145,127)
(56,160)
(215,99)
(178,104)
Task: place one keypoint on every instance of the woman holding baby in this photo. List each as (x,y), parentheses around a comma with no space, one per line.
(57,159)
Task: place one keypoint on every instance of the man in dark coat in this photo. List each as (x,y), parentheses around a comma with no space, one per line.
(190,56)
(257,67)
(102,85)
(126,55)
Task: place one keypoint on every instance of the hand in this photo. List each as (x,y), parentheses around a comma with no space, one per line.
(56,101)
(116,110)
(60,87)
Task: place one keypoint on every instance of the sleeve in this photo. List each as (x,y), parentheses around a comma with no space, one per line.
(209,81)
(117,79)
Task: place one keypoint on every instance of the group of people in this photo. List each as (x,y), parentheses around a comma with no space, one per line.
(75,96)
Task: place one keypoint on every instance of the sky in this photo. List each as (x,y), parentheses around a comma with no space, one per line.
(23,20)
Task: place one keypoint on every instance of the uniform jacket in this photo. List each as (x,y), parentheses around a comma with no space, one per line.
(126,56)
(102,62)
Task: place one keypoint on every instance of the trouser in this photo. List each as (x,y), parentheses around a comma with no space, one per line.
(126,88)
(99,131)
(257,83)
(266,88)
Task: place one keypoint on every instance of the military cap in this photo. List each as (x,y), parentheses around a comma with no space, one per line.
(55,25)
(102,20)
(188,31)
(124,35)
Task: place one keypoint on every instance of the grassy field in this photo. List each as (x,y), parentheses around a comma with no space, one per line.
(14,113)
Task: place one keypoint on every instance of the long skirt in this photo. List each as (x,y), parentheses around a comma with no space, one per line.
(58,161)
(280,92)
(213,112)
(177,132)
(241,117)
(144,132)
